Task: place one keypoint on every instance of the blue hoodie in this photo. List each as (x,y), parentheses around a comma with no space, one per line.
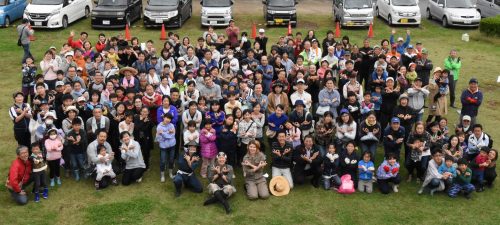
(367,174)
(165,139)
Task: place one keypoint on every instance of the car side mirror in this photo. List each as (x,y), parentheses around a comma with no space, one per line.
(440,5)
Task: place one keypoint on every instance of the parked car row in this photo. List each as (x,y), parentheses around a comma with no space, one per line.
(174,13)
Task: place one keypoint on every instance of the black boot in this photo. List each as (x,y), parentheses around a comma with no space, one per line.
(222,199)
(209,201)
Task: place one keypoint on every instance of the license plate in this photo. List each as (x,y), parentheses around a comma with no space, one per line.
(38,23)
(159,20)
(213,22)
(105,22)
(278,20)
(467,21)
(350,23)
(404,20)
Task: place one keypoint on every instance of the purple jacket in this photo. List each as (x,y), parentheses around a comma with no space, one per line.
(207,143)
(383,175)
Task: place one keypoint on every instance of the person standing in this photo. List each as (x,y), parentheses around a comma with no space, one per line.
(453,63)
(471,100)
(24,31)
(232,33)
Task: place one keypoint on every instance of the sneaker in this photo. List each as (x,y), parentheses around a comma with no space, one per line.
(139,180)
(177,194)
(480,189)
(432,191)
(37,197)
(468,195)
(409,178)
(420,191)
(170,174)
(96,185)
(52,183)
(45,193)
(162,177)
(58,181)
(114,182)
(395,188)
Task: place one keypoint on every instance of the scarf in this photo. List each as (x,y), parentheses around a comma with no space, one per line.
(128,83)
(102,124)
(78,93)
(370,124)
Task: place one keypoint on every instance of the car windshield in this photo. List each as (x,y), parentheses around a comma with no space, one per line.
(46,2)
(112,2)
(281,2)
(404,2)
(357,4)
(459,4)
(163,2)
(217,3)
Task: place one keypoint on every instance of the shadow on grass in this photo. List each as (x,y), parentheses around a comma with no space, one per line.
(129,212)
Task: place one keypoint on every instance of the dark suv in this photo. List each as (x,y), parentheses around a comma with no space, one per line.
(116,13)
(280,12)
(172,13)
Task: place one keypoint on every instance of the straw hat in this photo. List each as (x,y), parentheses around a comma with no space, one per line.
(132,70)
(279,186)
(437,69)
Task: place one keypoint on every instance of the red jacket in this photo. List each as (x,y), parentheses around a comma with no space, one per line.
(100,46)
(18,169)
(75,44)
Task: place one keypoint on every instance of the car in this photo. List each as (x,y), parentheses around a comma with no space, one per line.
(351,13)
(11,10)
(56,13)
(116,13)
(172,13)
(216,12)
(488,8)
(406,12)
(280,12)
(454,13)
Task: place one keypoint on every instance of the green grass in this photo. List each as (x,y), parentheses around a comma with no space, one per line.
(152,202)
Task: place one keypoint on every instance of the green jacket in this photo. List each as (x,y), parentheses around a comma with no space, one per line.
(462,179)
(453,65)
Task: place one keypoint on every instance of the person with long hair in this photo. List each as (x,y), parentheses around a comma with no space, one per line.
(253,164)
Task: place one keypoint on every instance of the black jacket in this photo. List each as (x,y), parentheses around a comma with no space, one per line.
(283,161)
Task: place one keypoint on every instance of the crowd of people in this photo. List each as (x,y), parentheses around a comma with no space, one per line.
(312,109)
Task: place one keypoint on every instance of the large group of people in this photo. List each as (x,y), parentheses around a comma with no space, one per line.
(306,110)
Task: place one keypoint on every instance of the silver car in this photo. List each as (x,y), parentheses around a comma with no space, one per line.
(454,12)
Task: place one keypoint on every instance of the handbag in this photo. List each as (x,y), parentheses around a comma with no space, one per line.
(321,110)
(19,42)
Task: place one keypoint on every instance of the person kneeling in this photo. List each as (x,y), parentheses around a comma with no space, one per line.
(185,174)
(388,172)
(462,181)
(104,169)
(220,176)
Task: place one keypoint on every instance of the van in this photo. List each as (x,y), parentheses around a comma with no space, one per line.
(454,13)
(280,12)
(352,13)
(116,13)
(406,12)
(56,13)
(171,13)
(216,12)
(488,8)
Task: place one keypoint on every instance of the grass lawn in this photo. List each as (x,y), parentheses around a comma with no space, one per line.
(152,202)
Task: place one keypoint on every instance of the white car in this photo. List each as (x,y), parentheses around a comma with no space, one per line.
(454,12)
(216,12)
(353,12)
(56,13)
(399,11)
(488,8)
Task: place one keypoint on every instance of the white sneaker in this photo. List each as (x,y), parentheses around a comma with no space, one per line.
(162,177)
(170,173)
(139,180)
(395,188)
(420,191)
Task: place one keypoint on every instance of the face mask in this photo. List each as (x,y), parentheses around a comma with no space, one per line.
(230,57)
(244,39)
(244,67)
(53,136)
(49,122)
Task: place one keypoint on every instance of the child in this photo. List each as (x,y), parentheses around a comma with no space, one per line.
(443,127)
(411,75)
(165,136)
(377,99)
(388,172)
(104,169)
(54,146)
(462,181)
(367,105)
(366,169)
(127,124)
(28,80)
(352,104)
(113,57)
(436,135)
(76,145)
(191,134)
(478,173)
(231,104)
(39,167)
(349,162)
(331,177)
(208,138)
(292,134)
(462,142)
(448,167)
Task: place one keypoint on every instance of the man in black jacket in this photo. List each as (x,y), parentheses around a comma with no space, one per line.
(282,158)
(307,162)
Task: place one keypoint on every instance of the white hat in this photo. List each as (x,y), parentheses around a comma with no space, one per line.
(68,54)
(81,98)
(261,30)
(59,83)
(400,39)
(51,114)
(79,69)
(181,58)
(466,117)
(301,81)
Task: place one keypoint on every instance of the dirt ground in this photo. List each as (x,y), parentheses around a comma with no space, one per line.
(256,7)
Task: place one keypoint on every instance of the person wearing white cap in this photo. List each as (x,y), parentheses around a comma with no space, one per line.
(301,94)
(262,40)
(401,44)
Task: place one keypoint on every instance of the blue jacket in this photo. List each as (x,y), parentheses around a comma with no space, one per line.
(368,173)
(172,110)
(183,165)
(471,102)
(375,77)
(277,121)
(165,139)
(389,144)
(443,168)
(401,48)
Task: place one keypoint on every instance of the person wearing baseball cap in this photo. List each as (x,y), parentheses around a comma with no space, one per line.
(464,125)
(424,67)
(401,45)
(301,94)
(471,99)
(394,136)
(262,40)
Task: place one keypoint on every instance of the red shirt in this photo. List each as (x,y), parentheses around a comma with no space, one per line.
(20,171)
(75,44)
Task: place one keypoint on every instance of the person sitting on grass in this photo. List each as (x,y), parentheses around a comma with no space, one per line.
(253,166)
(434,181)
(463,181)
(221,186)
(448,167)
(388,172)
(104,169)
(134,162)
(366,169)
(187,165)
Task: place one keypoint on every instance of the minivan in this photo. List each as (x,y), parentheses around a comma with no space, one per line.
(116,13)
(216,12)
(454,12)
(280,12)
(488,8)
(172,13)
(351,13)
(406,12)
(56,13)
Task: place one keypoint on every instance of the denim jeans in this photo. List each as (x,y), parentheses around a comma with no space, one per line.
(77,161)
(27,53)
(322,150)
(332,181)
(163,158)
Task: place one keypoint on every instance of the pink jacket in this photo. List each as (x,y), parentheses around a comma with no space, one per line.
(207,143)
(50,145)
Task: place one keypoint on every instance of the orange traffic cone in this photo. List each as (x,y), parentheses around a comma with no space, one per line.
(254,30)
(370,30)
(289,28)
(127,33)
(163,35)
(337,30)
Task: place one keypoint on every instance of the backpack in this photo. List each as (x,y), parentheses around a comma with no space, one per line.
(347,186)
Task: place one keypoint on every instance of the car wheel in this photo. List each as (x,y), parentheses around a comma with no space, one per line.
(180,21)
(445,22)
(87,12)
(429,15)
(7,21)
(389,20)
(65,22)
